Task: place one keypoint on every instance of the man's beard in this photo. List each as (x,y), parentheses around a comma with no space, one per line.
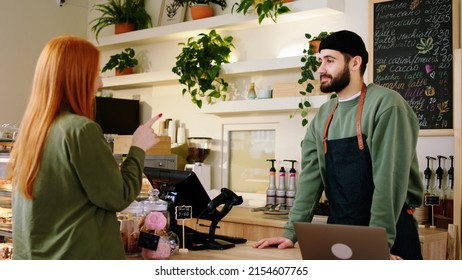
(337,84)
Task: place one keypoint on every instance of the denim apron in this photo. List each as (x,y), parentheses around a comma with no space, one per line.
(350,187)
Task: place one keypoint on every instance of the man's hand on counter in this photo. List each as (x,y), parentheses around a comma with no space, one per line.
(279,242)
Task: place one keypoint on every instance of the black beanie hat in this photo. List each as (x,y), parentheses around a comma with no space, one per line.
(347,42)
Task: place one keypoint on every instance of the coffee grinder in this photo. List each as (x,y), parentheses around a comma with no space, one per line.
(198,150)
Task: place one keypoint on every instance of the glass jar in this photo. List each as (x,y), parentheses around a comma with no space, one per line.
(154,235)
(154,204)
(129,220)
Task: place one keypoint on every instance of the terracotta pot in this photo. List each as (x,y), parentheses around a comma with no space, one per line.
(315,43)
(127,71)
(199,11)
(124,27)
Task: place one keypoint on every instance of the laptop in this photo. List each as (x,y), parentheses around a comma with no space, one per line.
(341,242)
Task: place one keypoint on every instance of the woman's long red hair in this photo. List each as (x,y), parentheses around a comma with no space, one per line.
(64,79)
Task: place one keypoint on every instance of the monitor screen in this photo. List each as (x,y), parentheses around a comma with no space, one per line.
(117,116)
(179,188)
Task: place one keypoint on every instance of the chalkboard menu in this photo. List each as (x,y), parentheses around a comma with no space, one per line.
(413,54)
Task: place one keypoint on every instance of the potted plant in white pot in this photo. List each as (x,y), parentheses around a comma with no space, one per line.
(125,15)
(201,8)
(198,66)
(123,62)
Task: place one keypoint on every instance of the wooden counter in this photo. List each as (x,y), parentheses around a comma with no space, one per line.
(433,242)
(241,252)
(242,222)
(253,226)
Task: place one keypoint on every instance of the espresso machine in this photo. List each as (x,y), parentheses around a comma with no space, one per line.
(198,150)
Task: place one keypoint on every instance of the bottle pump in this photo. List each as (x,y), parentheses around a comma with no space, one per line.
(439,176)
(451,178)
(428,173)
(281,190)
(271,191)
(290,193)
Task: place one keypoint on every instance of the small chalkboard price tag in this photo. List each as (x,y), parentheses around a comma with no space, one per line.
(432,200)
(183,212)
(148,240)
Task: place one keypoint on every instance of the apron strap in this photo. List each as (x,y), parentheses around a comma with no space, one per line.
(358,121)
(359,133)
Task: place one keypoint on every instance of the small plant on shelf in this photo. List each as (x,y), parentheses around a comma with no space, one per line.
(198,66)
(201,8)
(221,3)
(316,40)
(122,61)
(121,12)
(263,8)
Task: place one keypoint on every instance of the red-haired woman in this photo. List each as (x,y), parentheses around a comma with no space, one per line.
(67,186)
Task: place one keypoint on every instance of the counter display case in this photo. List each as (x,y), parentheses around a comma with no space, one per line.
(5,200)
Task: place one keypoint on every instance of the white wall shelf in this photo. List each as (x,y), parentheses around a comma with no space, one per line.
(231,69)
(139,80)
(262,65)
(300,10)
(284,104)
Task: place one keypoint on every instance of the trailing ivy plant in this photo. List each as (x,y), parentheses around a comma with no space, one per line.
(263,8)
(311,64)
(198,66)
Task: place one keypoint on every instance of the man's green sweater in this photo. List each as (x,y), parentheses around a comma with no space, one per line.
(391,130)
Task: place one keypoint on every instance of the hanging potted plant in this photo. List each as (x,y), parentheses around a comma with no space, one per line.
(263,8)
(201,8)
(125,15)
(198,66)
(123,62)
(311,64)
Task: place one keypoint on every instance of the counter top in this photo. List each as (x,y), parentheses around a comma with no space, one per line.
(246,252)
(255,225)
(243,222)
(241,252)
